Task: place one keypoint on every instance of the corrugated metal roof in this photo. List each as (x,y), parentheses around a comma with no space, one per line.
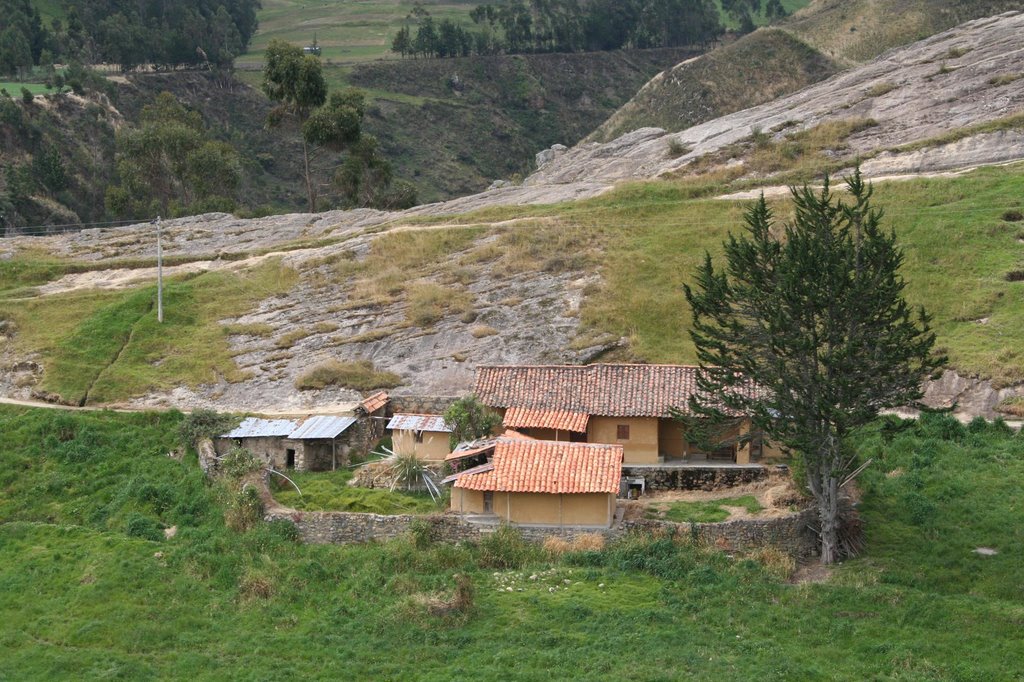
(419,422)
(475,470)
(537,466)
(253,427)
(321,427)
(559,420)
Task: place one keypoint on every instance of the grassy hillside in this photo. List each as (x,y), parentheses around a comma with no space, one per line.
(85,496)
(963,242)
(755,69)
(453,126)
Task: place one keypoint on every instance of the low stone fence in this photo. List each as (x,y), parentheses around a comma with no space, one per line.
(695,478)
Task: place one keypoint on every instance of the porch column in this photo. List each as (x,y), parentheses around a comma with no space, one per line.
(743,448)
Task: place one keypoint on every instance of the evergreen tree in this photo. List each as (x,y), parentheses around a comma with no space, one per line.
(817,319)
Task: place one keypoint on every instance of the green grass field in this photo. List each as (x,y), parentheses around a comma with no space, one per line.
(710,511)
(346,31)
(90,597)
(361,30)
(13,88)
(329,491)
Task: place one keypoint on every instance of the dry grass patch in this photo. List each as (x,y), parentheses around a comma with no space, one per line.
(260,329)
(481,331)
(879,89)
(360,376)
(366,337)
(1004,79)
(429,303)
(289,339)
(325,327)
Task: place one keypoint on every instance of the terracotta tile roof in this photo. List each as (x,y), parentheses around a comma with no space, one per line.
(540,466)
(419,422)
(374,402)
(601,390)
(559,420)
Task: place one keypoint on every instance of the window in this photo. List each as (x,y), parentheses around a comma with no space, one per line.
(418,436)
(622,432)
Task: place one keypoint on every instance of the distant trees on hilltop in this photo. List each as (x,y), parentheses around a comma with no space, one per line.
(522,26)
(127,32)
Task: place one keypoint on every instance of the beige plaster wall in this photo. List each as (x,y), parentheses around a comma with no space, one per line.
(433,448)
(642,446)
(590,509)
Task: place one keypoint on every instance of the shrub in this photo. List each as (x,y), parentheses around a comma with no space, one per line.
(1013,216)
(677,148)
(360,376)
(255,585)
(205,424)
(145,527)
(26,95)
(941,425)
(920,509)
(239,462)
(244,511)
(506,548)
(420,532)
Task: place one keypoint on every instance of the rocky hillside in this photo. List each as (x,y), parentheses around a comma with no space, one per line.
(809,47)
(949,101)
(290,312)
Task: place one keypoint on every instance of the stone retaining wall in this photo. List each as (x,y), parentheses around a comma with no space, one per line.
(792,534)
(420,404)
(695,478)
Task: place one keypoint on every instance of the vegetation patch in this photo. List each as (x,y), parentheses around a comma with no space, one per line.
(429,303)
(1004,79)
(289,339)
(359,376)
(329,491)
(260,329)
(706,511)
(879,89)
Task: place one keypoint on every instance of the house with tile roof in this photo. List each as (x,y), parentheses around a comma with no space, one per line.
(535,482)
(624,404)
(422,435)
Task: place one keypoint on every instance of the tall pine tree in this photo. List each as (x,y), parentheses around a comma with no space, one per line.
(817,319)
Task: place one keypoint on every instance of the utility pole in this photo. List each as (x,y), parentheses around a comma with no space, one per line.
(159,274)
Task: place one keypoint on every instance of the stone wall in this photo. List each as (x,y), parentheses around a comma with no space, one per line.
(792,534)
(695,478)
(420,404)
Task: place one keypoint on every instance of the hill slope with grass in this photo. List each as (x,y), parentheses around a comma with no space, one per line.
(85,499)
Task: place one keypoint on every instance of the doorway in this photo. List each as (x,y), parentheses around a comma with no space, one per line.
(488,502)
(290,461)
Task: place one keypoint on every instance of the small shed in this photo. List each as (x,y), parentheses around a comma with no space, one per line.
(422,435)
(264,438)
(316,443)
(320,448)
